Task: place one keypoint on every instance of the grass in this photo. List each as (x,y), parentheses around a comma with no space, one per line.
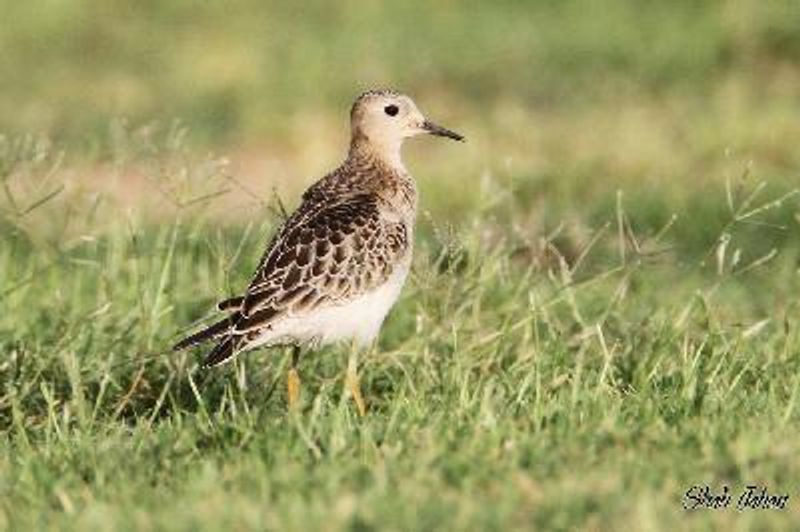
(602,311)
(554,382)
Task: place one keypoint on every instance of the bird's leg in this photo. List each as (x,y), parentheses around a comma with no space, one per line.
(293,379)
(351,381)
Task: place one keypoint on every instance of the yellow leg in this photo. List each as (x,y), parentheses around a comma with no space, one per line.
(293,381)
(293,388)
(351,380)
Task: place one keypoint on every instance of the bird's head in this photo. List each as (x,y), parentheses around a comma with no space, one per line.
(384,118)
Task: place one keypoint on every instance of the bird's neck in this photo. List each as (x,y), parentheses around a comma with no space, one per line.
(385,152)
(383,171)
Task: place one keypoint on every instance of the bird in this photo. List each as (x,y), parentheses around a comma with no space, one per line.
(338,263)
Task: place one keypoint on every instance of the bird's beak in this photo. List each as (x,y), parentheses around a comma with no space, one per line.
(439,131)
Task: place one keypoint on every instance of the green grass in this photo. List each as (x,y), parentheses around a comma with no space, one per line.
(603,307)
(510,388)
(252,68)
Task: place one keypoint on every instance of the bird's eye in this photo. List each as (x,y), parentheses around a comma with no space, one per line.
(391,110)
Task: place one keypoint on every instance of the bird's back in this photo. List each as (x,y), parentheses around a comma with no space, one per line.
(335,267)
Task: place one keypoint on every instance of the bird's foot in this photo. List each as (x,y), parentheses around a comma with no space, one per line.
(293,388)
(354,387)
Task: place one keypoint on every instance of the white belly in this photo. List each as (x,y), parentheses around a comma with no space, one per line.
(359,319)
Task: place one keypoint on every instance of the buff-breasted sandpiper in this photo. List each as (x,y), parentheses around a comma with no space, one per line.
(338,263)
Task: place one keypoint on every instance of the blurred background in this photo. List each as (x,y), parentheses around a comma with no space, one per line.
(564,103)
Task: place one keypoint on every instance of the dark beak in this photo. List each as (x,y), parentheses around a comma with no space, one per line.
(440,131)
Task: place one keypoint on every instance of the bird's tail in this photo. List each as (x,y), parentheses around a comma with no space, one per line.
(211,332)
(231,304)
(224,352)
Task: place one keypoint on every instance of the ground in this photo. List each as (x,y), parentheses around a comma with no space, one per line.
(602,312)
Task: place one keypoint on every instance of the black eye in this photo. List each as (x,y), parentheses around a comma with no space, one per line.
(391,110)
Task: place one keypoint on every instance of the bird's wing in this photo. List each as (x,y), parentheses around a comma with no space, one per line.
(324,254)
